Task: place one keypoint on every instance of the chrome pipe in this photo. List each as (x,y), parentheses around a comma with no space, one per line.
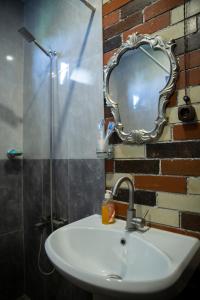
(90,6)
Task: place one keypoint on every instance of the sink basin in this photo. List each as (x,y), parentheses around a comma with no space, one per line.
(106,259)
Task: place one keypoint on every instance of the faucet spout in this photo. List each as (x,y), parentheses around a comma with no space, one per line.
(132,222)
(130,187)
(131,213)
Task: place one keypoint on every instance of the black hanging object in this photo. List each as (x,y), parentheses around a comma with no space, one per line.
(186,99)
(186,113)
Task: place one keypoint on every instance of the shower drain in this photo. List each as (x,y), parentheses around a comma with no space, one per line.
(114,276)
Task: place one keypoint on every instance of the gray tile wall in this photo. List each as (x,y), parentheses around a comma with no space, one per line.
(11,230)
(11,264)
(75,196)
(11,110)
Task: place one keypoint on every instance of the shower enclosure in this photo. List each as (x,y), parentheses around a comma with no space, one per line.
(50,107)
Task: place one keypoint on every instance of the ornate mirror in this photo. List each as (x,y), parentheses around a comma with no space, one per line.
(138,81)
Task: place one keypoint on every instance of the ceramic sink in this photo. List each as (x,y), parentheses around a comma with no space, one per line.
(106,259)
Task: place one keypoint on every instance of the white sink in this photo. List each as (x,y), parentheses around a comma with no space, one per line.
(106,259)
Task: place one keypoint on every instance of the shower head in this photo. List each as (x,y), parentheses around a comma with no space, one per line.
(26,34)
(30,38)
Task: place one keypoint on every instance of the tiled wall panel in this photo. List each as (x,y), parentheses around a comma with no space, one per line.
(74,196)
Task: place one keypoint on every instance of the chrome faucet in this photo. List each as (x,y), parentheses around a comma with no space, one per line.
(132,222)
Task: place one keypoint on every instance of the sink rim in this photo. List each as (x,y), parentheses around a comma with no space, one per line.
(116,285)
(131,235)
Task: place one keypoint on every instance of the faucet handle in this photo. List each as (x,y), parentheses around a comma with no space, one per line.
(131,213)
(138,222)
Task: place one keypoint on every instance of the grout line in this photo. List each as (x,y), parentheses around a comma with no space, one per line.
(10,232)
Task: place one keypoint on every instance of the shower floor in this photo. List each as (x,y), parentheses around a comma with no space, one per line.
(23,297)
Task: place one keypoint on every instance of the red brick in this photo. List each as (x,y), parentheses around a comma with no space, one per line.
(187,149)
(107,56)
(111,19)
(193,78)
(120,209)
(190,221)
(186,131)
(109,166)
(180,167)
(174,229)
(123,25)
(111,44)
(133,6)
(149,27)
(107,120)
(192,60)
(107,112)
(172,100)
(113,5)
(161,183)
(160,7)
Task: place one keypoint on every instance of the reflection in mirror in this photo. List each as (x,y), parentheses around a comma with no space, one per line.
(138,80)
(135,85)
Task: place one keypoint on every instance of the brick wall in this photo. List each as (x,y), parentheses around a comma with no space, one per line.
(166,174)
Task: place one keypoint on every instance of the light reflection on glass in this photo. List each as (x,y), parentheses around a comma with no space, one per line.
(135,100)
(63,72)
(82,76)
(53,75)
(9,58)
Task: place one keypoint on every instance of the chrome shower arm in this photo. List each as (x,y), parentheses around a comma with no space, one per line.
(42,48)
(88,5)
(30,38)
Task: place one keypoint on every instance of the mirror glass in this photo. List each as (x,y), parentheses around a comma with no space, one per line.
(135,84)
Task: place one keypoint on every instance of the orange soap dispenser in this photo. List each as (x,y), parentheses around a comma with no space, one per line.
(108,209)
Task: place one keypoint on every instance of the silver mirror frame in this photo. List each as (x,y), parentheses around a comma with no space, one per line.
(134,41)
